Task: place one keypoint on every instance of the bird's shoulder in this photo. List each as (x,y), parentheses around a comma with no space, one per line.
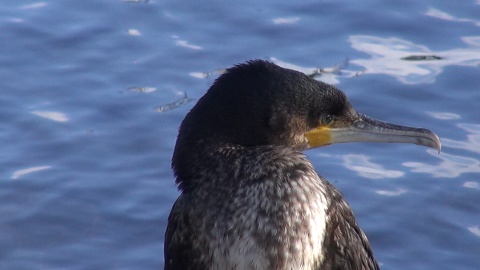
(345,245)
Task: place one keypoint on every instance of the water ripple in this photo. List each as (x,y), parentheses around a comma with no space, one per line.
(365,168)
(387,57)
(451,166)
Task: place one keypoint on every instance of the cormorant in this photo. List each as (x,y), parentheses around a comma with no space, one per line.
(249,198)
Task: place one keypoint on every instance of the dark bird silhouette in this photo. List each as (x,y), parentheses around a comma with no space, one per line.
(249,197)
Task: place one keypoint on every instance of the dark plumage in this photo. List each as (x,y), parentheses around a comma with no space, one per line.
(250,199)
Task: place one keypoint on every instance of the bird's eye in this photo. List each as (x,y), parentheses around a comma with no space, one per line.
(326,119)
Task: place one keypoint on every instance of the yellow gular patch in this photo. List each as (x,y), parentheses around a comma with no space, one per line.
(320,136)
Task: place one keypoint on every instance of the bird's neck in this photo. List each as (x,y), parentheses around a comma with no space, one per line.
(203,162)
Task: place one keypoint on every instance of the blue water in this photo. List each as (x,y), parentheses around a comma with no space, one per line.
(92,94)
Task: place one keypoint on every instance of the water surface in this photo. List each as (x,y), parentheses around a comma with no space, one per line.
(93,92)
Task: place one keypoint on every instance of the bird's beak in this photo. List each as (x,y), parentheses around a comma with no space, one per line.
(365,129)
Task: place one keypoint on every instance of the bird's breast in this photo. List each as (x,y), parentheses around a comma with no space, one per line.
(272,224)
